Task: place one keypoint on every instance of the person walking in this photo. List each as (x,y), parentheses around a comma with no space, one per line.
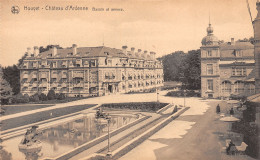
(231,112)
(218,109)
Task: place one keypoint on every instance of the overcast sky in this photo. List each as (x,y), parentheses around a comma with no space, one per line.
(163,26)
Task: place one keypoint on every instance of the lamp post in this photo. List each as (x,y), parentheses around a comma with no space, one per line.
(108,139)
(184,97)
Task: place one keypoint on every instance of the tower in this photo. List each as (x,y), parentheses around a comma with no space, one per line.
(210,57)
(256,25)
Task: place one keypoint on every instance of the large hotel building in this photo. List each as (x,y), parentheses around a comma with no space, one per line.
(90,71)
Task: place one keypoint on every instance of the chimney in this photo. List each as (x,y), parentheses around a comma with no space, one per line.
(54,51)
(152,54)
(145,53)
(74,47)
(36,51)
(124,49)
(132,50)
(29,52)
(232,41)
(139,50)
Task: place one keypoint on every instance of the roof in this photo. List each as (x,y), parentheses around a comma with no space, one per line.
(228,50)
(88,52)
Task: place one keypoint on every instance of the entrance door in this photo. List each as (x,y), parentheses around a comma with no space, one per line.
(110,88)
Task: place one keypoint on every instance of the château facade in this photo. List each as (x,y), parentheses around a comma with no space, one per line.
(256,24)
(90,71)
(226,68)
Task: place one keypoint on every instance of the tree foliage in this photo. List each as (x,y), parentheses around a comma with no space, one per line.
(51,94)
(5,89)
(48,47)
(183,67)
(12,75)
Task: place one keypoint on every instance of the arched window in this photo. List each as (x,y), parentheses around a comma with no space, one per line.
(226,86)
(239,87)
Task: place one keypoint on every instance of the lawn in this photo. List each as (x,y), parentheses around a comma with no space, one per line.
(22,108)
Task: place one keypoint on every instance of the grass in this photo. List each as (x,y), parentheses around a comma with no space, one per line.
(41,116)
(55,101)
(22,108)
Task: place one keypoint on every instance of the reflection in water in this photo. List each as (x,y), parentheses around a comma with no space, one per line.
(62,138)
(31,154)
(4,155)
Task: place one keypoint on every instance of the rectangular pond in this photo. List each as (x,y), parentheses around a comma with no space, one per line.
(59,139)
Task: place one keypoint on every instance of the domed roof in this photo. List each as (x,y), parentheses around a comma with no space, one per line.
(210,39)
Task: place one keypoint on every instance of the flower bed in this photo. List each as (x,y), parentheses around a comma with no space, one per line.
(144,106)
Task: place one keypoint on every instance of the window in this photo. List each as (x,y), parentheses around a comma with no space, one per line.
(109,62)
(34,79)
(239,87)
(209,69)
(129,77)
(210,85)
(226,86)
(238,71)
(251,88)
(92,63)
(53,79)
(54,64)
(238,53)
(209,54)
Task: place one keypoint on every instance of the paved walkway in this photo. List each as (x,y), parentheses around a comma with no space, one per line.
(194,135)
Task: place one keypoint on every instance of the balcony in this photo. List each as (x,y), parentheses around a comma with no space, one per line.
(78,84)
(78,75)
(25,76)
(43,84)
(34,76)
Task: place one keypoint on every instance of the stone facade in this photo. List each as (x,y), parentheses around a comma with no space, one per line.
(256,25)
(90,71)
(226,68)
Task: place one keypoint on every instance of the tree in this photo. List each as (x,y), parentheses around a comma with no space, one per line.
(12,75)
(183,67)
(5,89)
(171,64)
(51,94)
(48,47)
(193,70)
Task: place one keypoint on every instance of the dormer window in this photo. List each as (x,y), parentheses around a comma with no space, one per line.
(106,53)
(238,53)
(209,54)
(69,54)
(50,55)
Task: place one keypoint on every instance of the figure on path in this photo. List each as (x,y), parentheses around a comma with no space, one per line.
(231,112)
(218,109)
(175,109)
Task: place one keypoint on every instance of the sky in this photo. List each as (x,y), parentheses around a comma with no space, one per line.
(163,26)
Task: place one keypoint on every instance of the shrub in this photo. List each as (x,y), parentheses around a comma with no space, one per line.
(61,96)
(43,97)
(51,94)
(189,93)
(34,98)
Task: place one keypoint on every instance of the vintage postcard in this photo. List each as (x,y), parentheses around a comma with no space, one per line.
(129,79)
